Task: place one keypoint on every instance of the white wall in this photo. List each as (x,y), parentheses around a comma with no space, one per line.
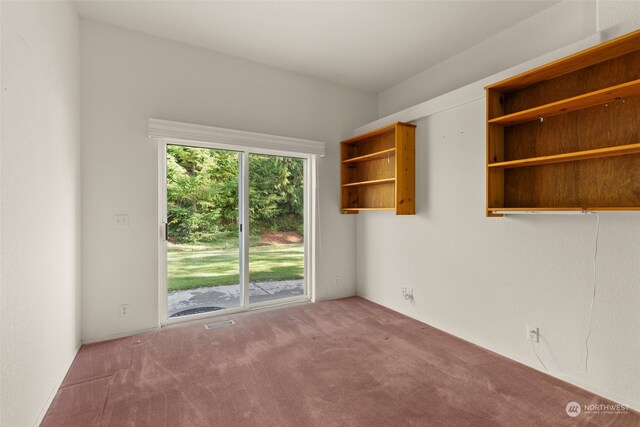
(548,30)
(40,209)
(127,78)
(486,279)
(614,12)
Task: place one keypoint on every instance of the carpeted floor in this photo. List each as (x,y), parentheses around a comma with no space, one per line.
(347,362)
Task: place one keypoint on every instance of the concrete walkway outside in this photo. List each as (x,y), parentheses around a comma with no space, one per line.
(229,296)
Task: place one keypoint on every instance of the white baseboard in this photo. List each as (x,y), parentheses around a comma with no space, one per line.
(54,391)
(119,335)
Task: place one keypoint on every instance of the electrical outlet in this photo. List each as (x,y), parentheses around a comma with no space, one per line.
(121,220)
(124,310)
(407,293)
(533,334)
(336,280)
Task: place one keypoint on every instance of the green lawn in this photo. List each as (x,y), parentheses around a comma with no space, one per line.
(215,267)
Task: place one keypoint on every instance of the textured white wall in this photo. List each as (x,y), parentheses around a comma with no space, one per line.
(548,30)
(128,77)
(614,12)
(40,188)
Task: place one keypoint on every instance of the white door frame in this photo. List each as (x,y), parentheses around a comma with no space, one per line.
(310,209)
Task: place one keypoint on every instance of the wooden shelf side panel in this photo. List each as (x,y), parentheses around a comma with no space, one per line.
(405,184)
(347,174)
(495,153)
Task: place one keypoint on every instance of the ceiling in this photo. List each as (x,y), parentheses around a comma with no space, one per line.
(367,45)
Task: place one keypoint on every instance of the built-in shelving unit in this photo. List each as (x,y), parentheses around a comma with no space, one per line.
(378,171)
(566,136)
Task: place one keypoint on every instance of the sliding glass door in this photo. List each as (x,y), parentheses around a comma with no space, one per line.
(277,224)
(203,233)
(235,230)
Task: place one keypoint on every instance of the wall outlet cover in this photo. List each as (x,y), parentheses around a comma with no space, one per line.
(124,310)
(121,220)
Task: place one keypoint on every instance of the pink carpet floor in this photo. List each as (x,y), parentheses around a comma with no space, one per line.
(347,362)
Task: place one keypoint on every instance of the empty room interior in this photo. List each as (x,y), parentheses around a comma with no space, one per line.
(320,213)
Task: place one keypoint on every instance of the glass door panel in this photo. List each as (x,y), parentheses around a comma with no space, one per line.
(276,227)
(203,236)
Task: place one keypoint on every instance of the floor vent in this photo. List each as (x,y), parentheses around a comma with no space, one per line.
(221,324)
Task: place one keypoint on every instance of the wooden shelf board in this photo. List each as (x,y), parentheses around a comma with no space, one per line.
(594,55)
(566,209)
(372,182)
(381,131)
(614,208)
(569,157)
(377,155)
(579,102)
(533,209)
(367,209)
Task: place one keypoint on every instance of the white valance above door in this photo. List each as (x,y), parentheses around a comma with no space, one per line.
(168,130)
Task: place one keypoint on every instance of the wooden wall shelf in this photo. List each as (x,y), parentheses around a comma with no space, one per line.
(538,208)
(378,171)
(565,136)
